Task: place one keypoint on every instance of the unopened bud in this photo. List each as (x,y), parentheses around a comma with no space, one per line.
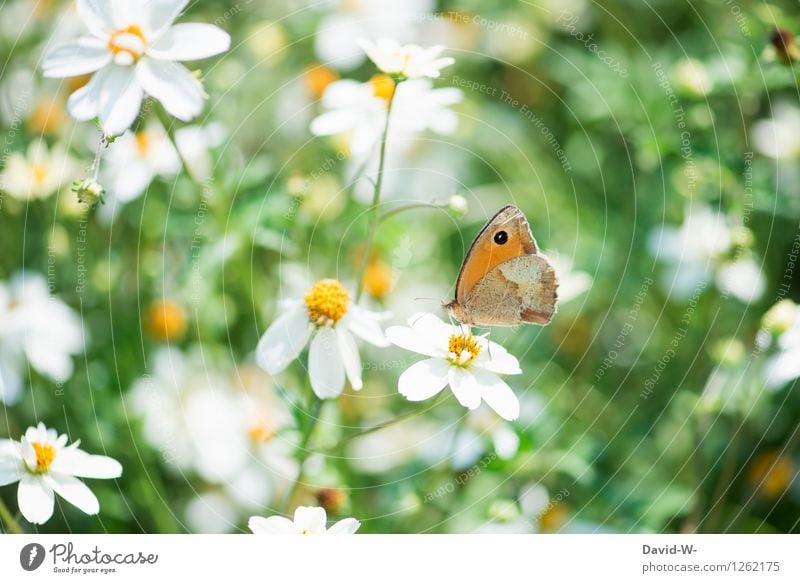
(88,191)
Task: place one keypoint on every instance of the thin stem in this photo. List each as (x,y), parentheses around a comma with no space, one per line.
(376,197)
(409,207)
(8,519)
(389,423)
(169,127)
(303,451)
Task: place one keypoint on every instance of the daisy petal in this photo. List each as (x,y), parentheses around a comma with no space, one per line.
(364,324)
(75,462)
(11,465)
(84,104)
(120,100)
(173,85)
(75,492)
(35,499)
(497,359)
(84,56)
(464,387)
(284,340)
(346,526)
(350,357)
(497,394)
(190,42)
(410,339)
(160,14)
(424,379)
(325,367)
(310,519)
(96,15)
(271,525)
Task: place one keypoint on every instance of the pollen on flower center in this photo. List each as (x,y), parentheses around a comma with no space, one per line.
(45,454)
(383,86)
(127,44)
(462,349)
(327,302)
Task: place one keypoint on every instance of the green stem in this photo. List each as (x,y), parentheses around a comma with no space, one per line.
(8,519)
(303,452)
(376,197)
(169,127)
(409,207)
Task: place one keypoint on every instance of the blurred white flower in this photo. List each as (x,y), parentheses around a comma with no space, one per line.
(359,109)
(132,51)
(571,284)
(328,318)
(36,327)
(779,136)
(307,520)
(406,61)
(135,159)
(481,426)
(38,173)
(45,465)
(784,366)
(335,38)
(697,252)
(469,364)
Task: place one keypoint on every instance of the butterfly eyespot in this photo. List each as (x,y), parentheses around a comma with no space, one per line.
(501,237)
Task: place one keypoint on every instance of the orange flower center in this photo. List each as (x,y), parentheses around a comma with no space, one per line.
(327,302)
(382,86)
(45,454)
(127,44)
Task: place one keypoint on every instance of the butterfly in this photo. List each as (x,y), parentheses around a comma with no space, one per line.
(504,280)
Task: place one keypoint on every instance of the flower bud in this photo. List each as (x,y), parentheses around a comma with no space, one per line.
(458,205)
(88,191)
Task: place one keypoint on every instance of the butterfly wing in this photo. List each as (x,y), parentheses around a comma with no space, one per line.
(485,253)
(522,289)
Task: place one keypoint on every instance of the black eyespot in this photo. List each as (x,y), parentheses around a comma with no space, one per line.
(501,237)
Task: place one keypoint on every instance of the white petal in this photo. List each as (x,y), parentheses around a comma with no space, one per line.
(310,519)
(86,55)
(410,339)
(325,366)
(75,492)
(350,357)
(173,85)
(120,100)
(190,42)
(12,467)
(497,394)
(346,526)
(76,462)
(96,15)
(424,379)
(334,122)
(364,324)
(84,103)
(160,14)
(464,387)
(35,499)
(271,525)
(497,359)
(284,340)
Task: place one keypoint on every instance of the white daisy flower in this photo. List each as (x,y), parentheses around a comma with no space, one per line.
(45,465)
(359,109)
(406,61)
(38,173)
(307,520)
(469,364)
(784,366)
(328,318)
(779,136)
(133,49)
(38,328)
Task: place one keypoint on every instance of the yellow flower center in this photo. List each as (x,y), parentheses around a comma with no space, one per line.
(127,45)
(45,454)
(382,86)
(166,320)
(318,78)
(378,279)
(39,174)
(462,349)
(260,433)
(327,302)
(143,143)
